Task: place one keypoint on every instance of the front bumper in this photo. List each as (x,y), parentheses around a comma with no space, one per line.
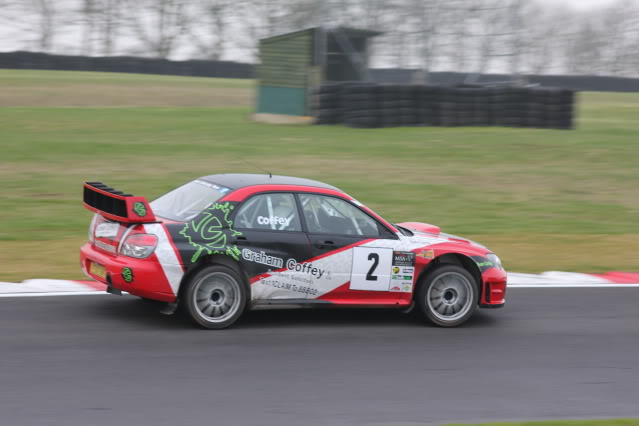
(147,278)
(494,288)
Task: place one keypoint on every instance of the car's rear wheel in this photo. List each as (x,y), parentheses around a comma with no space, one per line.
(448,296)
(215,297)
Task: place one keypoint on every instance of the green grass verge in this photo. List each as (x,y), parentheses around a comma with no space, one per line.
(542,199)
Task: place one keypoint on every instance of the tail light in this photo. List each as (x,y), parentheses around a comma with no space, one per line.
(139,245)
(92,228)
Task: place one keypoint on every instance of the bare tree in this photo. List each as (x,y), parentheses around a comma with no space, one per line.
(44,12)
(621,28)
(158,24)
(209,27)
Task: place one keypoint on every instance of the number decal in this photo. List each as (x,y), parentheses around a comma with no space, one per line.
(375,258)
(371,268)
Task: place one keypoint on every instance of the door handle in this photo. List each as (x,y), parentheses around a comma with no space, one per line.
(326,244)
(241,240)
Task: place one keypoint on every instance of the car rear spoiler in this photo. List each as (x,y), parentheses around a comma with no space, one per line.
(116,205)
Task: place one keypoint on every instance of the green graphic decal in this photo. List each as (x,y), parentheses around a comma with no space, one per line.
(486,263)
(139,209)
(127,274)
(210,231)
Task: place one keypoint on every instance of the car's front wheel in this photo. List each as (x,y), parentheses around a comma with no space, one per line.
(448,295)
(215,297)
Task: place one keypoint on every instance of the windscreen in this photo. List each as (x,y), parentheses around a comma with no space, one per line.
(187,201)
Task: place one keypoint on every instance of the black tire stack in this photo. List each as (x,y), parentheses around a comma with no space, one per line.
(561,107)
(447,107)
(361,105)
(409,95)
(357,104)
(327,104)
(389,105)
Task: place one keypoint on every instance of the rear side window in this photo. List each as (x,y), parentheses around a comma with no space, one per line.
(274,212)
(187,201)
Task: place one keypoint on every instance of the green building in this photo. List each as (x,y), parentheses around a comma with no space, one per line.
(292,64)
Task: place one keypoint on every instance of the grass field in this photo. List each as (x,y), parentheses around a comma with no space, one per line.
(542,199)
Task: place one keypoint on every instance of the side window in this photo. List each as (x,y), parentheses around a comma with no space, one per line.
(330,215)
(275,212)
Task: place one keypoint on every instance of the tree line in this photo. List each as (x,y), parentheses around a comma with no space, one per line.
(475,36)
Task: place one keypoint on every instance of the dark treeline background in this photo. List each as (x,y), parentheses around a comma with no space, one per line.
(539,37)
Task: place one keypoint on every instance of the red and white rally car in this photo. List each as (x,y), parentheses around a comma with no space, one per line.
(225,243)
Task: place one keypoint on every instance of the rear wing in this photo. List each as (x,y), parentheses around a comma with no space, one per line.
(116,205)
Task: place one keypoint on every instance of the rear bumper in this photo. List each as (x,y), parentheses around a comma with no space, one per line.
(494,289)
(146,278)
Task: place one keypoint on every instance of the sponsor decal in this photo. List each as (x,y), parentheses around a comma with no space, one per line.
(403,258)
(210,231)
(139,209)
(402,277)
(262,258)
(212,185)
(403,271)
(427,254)
(127,274)
(276,282)
(273,220)
(485,264)
(305,268)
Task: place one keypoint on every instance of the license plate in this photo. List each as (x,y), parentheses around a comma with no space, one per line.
(97,270)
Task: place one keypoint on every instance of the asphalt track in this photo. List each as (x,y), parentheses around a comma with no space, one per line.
(108,360)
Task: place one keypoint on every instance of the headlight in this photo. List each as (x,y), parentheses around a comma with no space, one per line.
(496,261)
(139,245)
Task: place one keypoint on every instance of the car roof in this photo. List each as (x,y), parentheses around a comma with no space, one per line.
(241,180)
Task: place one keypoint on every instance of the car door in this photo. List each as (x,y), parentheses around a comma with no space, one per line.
(353,252)
(271,245)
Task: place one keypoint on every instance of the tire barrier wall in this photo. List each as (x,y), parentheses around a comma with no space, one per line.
(388,105)
(203,68)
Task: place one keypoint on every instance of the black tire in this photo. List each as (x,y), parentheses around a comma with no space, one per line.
(220,284)
(461,282)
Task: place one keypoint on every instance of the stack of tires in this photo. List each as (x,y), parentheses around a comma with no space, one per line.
(389,105)
(482,107)
(361,105)
(499,105)
(559,109)
(427,106)
(409,96)
(327,104)
(515,107)
(448,107)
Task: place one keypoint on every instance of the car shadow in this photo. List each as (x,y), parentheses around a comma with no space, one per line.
(147,313)
(350,317)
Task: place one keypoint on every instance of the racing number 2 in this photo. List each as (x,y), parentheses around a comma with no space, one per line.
(375,258)
(371,268)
